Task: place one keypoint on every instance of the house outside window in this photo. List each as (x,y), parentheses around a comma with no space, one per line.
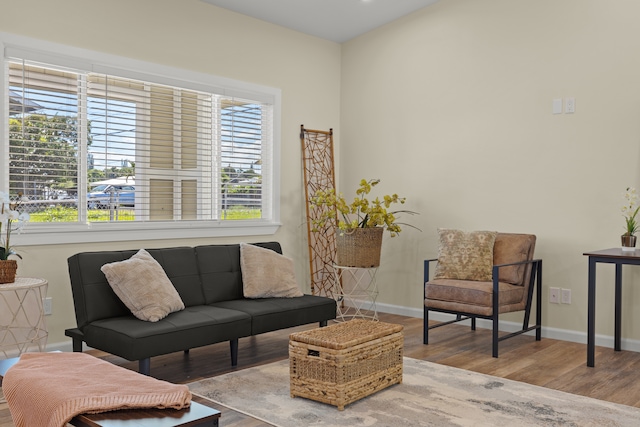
(96,151)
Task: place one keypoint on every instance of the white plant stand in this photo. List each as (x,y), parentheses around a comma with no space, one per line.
(356,291)
(22,324)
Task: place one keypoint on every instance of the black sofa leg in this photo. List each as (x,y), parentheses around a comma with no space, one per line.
(77,345)
(234,352)
(144,366)
(323,323)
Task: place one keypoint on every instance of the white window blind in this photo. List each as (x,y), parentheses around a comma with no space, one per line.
(95,148)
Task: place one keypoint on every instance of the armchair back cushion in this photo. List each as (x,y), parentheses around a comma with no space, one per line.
(511,248)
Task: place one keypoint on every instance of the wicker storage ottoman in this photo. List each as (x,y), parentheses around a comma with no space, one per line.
(342,363)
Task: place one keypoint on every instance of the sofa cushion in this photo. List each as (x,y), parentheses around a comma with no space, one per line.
(267,274)
(465,255)
(271,314)
(219,267)
(93,297)
(179,263)
(195,326)
(143,286)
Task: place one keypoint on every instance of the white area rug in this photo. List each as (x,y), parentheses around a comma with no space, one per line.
(430,395)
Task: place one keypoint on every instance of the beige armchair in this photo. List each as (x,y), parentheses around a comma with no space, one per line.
(482,275)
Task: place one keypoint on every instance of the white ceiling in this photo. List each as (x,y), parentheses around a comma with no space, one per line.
(335,20)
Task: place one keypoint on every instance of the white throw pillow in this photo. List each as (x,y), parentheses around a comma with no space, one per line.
(143,286)
(267,274)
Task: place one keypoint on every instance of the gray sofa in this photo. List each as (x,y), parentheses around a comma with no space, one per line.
(209,281)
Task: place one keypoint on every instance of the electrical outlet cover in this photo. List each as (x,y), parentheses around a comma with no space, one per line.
(570,105)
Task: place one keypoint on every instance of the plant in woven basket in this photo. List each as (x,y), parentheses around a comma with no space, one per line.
(11,219)
(361,212)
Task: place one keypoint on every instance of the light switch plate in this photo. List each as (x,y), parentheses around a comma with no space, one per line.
(47,306)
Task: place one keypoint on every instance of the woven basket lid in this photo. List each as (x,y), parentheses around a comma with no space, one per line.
(346,334)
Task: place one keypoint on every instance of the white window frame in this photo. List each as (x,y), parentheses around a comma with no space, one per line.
(51,233)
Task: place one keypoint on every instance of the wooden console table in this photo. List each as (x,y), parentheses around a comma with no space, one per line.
(610,256)
(22,324)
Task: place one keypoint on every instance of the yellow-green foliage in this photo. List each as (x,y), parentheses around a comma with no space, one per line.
(360,213)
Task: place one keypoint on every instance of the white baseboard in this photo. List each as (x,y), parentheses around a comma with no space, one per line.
(553,333)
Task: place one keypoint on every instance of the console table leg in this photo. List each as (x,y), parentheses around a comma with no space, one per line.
(618,308)
(591,313)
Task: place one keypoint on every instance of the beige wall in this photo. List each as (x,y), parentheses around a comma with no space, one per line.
(451,107)
(193,35)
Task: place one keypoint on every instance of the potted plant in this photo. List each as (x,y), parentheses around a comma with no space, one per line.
(630,211)
(11,219)
(360,224)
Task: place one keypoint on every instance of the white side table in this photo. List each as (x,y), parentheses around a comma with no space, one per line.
(356,291)
(22,325)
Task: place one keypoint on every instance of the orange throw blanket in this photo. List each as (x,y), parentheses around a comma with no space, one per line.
(49,389)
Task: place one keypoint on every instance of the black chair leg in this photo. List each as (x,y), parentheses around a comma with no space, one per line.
(473,323)
(425,326)
(495,337)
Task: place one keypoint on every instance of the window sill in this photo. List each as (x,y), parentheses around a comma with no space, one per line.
(33,235)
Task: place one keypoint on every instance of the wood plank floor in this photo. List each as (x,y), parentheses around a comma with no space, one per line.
(548,363)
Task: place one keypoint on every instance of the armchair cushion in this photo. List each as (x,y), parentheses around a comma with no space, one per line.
(471,296)
(465,255)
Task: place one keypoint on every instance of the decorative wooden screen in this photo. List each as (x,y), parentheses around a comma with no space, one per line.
(319,174)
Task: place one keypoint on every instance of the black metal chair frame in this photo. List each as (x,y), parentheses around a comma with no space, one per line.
(535,280)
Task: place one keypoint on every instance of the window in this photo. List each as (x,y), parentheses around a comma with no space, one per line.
(96,151)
